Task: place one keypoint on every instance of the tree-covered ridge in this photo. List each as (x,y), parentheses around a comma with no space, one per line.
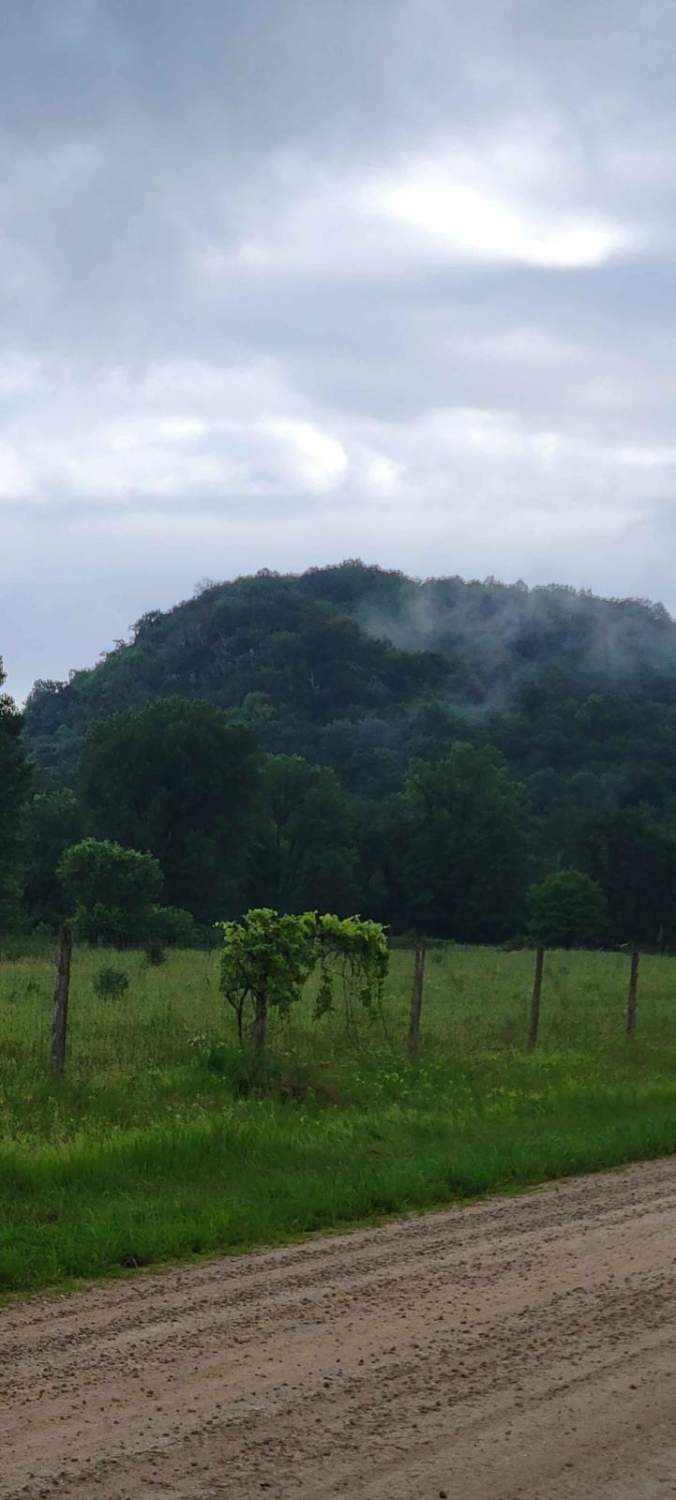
(359,668)
(266,649)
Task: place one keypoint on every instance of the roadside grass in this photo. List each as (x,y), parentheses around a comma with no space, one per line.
(162,1142)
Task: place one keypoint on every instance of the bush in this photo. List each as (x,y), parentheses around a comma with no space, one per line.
(111,983)
(254,1075)
(173,926)
(155,953)
(566,910)
(246,1072)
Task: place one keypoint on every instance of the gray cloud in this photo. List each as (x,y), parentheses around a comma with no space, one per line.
(298,279)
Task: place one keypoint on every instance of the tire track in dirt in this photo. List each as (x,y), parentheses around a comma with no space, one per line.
(519,1347)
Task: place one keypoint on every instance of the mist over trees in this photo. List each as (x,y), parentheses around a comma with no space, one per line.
(425,752)
(296,656)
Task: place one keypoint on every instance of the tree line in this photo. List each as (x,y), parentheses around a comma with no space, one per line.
(177,817)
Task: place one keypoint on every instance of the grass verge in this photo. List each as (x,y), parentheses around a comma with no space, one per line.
(201,1171)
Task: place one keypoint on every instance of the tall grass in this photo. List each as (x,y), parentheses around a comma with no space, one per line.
(163,1141)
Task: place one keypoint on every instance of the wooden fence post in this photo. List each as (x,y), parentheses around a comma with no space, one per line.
(536,997)
(632,996)
(416,997)
(60,1018)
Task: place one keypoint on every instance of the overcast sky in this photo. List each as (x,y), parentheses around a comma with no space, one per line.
(285,281)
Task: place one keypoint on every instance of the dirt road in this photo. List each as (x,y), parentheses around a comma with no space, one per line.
(521,1347)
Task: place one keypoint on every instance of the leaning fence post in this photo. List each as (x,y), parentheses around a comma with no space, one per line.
(60,1018)
(536,997)
(416,997)
(632,996)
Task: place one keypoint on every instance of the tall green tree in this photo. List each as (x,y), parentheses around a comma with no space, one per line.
(179,781)
(460,841)
(305,852)
(15,777)
(112,889)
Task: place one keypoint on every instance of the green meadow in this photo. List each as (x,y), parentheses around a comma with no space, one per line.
(163,1141)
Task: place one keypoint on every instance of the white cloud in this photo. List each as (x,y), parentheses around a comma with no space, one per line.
(14,476)
(646,457)
(125,438)
(317,460)
(383,474)
(472,220)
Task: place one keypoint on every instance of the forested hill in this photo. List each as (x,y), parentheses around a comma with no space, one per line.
(431,748)
(349,659)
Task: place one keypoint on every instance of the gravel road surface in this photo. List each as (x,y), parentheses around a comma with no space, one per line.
(520,1347)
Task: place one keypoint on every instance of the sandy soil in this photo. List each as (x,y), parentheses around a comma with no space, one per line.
(521,1347)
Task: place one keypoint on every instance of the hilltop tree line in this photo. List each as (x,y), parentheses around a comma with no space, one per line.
(362,669)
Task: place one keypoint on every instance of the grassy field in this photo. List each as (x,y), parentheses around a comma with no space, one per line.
(159,1143)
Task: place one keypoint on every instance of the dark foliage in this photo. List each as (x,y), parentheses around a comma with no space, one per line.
(15,780)
(422,751)
(176,780)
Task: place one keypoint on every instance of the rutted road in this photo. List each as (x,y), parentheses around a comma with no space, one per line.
(521,1347)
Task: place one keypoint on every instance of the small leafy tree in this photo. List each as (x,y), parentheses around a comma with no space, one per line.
(566,910)
(268,957)
(113,890)
(266,960)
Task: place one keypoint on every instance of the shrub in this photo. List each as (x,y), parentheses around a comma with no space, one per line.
(110,983)
(173,926)
(155,953)
(566,910)
(249,1074)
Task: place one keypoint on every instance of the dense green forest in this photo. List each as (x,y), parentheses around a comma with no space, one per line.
(353,739)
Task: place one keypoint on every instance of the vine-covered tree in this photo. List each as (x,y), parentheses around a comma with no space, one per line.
(266,960)
(269,956)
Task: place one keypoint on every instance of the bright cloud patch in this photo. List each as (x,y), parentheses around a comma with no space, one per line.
(383,474)
(317,460)
(14,476)
(470,220)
